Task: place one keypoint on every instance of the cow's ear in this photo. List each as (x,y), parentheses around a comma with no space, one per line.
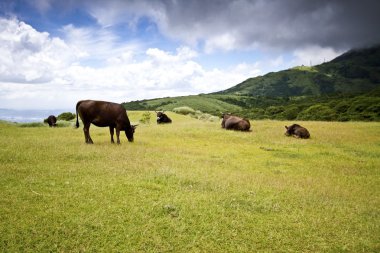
(286,127)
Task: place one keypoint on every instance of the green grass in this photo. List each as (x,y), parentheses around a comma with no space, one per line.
(205,103)
(305,68)
(191,187)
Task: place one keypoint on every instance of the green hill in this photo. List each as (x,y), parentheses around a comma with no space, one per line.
(205,103)
(346,88)
(355,72)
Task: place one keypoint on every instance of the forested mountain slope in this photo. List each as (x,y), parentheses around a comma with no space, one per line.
(346,88)
(357,71)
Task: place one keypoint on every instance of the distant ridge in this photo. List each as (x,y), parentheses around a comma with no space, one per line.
(354,72)
(348,88)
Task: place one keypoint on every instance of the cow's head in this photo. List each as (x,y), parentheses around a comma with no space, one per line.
(291,129)
(160,115)
(129,132)
(226,115)
(162,118)
(287,132)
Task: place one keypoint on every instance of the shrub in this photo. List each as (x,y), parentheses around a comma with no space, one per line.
(66,116)
(364,104)
(365,116)
(317,112)
(342,107)
(254,113)
(291,112)
(344,117)
(205,117)
(145,119)
(64,123)
(214,119)
(375,109)
(273,110)
(33,124)
(185,110)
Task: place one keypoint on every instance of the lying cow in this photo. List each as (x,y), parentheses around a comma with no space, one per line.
(52,121)
(231,122)
(297,131)
(163,118)
(104,114)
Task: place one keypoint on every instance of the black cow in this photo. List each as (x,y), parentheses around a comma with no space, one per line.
(162,118)
(52,120)
(297,131)
(231,122)
(104,114)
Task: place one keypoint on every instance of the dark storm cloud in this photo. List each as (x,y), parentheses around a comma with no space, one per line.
(284,24)
(276,23)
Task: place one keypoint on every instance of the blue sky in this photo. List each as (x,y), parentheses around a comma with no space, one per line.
(54,53)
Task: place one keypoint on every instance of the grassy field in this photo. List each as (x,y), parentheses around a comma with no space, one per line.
(191,187)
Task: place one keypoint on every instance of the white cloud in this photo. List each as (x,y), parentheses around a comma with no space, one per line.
(183,54)
(314,55)
(224,42)
(28,55)
(97,45)
(217,80)
(40,71)
(279,61)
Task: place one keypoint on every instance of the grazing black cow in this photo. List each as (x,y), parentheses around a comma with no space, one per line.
(297,131)
(162,118)
(104,114)
(231,122)
(52,120)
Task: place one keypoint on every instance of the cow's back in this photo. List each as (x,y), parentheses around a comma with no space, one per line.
(236,123)
(302,132)
(101,113)
(52,120)
(244,125)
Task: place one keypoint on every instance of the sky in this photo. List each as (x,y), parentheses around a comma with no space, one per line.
(54,53)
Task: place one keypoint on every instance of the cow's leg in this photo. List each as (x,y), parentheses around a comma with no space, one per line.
(118,134)
(85,131)
(111,133)
(87,137)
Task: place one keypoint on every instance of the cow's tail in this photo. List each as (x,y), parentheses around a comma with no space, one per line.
(77,124)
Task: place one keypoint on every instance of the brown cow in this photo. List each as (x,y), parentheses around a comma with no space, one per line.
(297,131)
(104,114)
(52,121)
(231,122)
(162,118)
